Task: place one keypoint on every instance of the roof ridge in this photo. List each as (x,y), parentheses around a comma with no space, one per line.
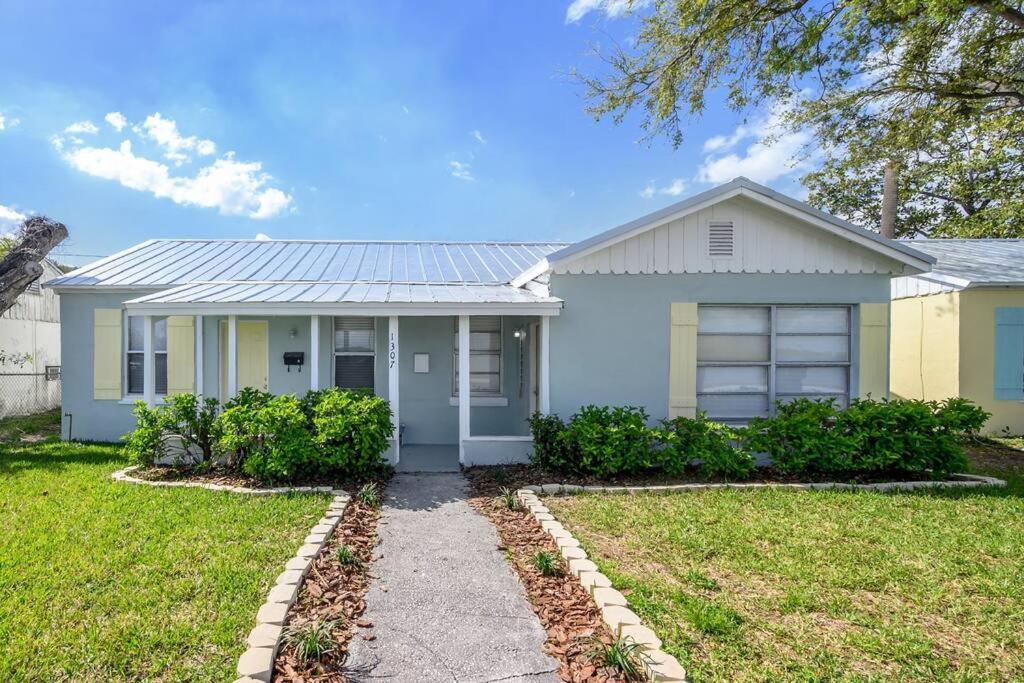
(336,241)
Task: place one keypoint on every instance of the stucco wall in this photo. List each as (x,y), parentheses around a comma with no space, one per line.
(90,419)
(425,398)
(610,345)
(925,343)
(977,355)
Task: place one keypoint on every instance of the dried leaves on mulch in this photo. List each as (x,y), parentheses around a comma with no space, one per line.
(569,615)
(333,592)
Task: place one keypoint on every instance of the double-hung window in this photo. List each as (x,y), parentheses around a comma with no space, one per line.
(749,357)
(135,357)
(354,358)
(484,356)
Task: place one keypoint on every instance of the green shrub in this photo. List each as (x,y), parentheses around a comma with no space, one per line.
(145,444)
(610,441)
(195,422)
(802,437)
(352,430)
(714,444)
(868,437)
(270,438)
(508,498)
(550,448)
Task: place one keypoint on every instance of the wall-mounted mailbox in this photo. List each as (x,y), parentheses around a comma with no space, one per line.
(294,359)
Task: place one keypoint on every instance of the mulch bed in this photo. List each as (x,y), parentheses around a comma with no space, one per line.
(215,475)
(495,477)
(570,617)
(334,592)
(985,454)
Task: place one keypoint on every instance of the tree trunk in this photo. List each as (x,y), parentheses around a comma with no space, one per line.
(889,201)
(21,264)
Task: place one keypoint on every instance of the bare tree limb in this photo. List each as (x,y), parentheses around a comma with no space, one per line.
(21,265)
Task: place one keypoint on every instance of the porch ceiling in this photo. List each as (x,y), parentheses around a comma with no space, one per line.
(385,298)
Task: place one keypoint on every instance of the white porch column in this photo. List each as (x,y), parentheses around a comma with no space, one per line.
(199,354)
(544,393)
(232,356)
(148,362)
(393,382)
(314,352)
(464,396)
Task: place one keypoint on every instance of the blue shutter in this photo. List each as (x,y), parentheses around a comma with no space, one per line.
(1009,361)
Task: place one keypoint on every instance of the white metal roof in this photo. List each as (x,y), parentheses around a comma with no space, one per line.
(371,298)
(964,263)
(157,264)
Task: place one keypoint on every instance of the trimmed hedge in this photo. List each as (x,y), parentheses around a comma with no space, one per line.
(804,437)
(330,433)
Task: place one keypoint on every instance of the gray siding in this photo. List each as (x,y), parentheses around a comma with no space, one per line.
(610,345)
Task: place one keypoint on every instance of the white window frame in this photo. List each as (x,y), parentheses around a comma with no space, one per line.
(335,352)
(772,364)
(126,342)
(483,396)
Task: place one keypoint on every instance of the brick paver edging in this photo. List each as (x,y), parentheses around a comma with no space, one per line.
(257,663)
(126,476)
(622,621)
(961,481)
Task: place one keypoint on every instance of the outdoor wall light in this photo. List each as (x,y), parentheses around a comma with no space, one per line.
(519,333)
(293,333)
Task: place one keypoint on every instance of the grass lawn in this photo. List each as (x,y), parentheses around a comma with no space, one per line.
(787,585)
(107,581)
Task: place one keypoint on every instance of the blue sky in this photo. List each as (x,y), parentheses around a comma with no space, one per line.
(382,120)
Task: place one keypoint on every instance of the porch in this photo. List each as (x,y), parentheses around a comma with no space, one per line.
(422,358)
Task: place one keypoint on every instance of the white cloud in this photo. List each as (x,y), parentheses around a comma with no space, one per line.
(10,219)
(611,8)
(117,120)
(478,136)
(769,156)
(82,128)
(675,188)
(176,147)
(7,124)
(232,187)
(262,237)
(461,171)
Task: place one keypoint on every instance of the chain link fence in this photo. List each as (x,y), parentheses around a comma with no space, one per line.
(24,393)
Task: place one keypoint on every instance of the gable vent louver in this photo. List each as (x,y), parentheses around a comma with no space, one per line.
(720,239)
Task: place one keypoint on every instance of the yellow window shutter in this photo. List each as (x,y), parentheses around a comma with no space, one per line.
(181,355)
(874,351)
(106,354)
(682,371)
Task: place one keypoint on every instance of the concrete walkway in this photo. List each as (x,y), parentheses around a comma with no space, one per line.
(444,604)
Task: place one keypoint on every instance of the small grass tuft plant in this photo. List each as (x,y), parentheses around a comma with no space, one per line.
(369,495)
(509,499)
(547,563)
(623,655)
(312,641)
(712,618)
(347,557)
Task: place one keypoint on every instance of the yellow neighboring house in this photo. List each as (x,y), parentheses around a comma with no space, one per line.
(959,329)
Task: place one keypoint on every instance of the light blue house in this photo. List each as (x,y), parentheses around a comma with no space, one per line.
(724,302)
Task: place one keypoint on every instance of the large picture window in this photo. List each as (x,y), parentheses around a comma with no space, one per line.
(135,356)
(484,356)
(354,358)
(749,357)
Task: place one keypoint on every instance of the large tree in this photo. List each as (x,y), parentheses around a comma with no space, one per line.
(878,82)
